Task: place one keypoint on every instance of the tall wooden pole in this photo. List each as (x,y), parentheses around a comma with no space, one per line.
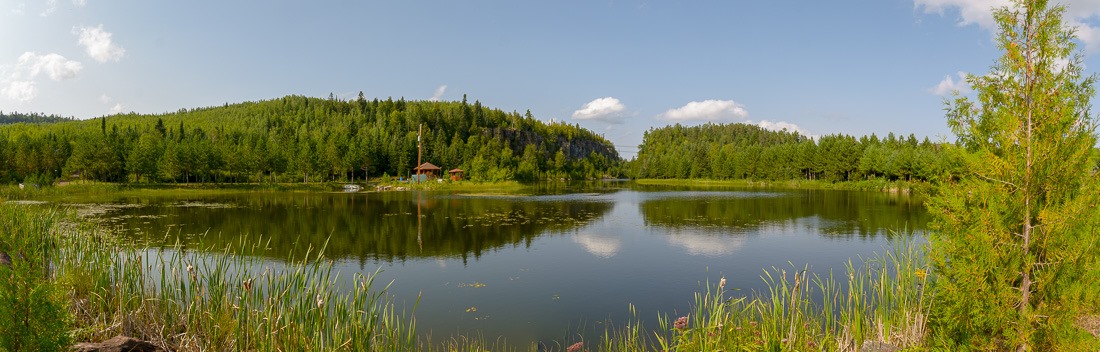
(418,170)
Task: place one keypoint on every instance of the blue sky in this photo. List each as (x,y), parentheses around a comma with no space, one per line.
(616,67)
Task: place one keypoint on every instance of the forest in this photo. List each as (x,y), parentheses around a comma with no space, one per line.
(300,139)
(742,151)
(305,139)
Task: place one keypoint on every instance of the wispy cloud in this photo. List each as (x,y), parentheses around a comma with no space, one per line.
(55,66)
(116,109)
(980,12)
(51,7)
(707,110)
(783,125)
(18,9)
(21,83)
(949,85)
(80,3)
(607,109)
(98,44)
(20,90)
(439,93)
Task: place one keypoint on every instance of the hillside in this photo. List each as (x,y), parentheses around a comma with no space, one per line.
(304,139)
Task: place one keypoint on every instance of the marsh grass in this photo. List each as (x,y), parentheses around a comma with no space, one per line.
(33,308)
(221,301)
(883,300)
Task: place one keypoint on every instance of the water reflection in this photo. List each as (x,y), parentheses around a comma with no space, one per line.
(543,263)
(600,245)
(378,226)
(861,214)
(705,244)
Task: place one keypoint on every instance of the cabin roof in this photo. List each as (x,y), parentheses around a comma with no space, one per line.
(427,167)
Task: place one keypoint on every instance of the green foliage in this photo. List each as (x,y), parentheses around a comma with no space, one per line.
(17,117)
(742,151)
(303,139)
(35,310)
(1017,239)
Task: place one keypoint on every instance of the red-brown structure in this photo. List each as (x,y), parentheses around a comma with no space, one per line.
(428,170)
(456,174)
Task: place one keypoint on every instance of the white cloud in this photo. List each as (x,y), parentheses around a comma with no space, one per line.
(439,93)
(98,44)
(80,3)
(20,84)
(1089,35)
(707,110)
(104,98)
(51,7)
(18,9)
(116,109)
(949,85)
(56,66)
(980,12)
(605,109)
(783,125)
(20,90)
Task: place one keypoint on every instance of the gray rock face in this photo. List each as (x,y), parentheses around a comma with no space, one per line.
(876,346)
(118,344)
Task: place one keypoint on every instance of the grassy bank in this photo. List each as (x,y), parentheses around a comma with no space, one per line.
(100,191)
(221,301)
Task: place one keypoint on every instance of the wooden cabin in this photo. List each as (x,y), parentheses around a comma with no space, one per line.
(456,174)
(428,170)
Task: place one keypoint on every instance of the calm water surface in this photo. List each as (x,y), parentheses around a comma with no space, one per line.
(548,266)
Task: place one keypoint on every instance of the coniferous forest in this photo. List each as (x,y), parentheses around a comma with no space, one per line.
(304,139)
(301,139)
(742,151)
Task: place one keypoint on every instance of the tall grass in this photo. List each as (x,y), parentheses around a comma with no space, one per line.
(222,301)
(33,309)
(882,301)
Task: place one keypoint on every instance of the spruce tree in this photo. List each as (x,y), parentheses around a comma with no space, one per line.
(1015,241)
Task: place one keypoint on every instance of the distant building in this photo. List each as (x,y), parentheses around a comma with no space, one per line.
(428,171)
(456,174)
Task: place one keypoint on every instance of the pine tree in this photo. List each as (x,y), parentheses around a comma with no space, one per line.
(1016,241)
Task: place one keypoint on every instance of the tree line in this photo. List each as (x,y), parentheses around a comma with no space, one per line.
(303,139)
(34,117)
(742,151)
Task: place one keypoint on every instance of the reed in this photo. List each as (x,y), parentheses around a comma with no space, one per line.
(228,300)
(882,302)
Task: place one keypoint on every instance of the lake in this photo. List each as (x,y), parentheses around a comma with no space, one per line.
(553,263)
